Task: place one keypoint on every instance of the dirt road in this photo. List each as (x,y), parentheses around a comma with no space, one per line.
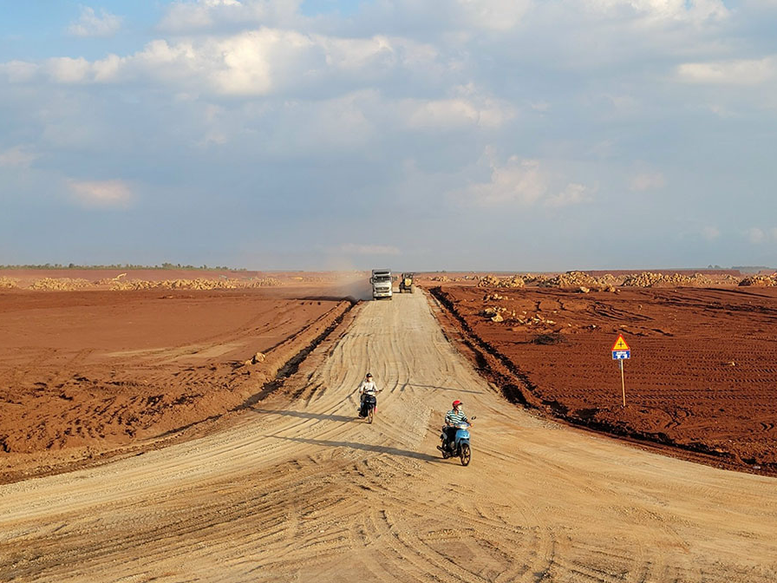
(299,490)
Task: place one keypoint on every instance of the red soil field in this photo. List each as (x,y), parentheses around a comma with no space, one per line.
(87,371)
(702,377)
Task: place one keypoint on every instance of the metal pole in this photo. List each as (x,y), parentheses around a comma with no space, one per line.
(623,383)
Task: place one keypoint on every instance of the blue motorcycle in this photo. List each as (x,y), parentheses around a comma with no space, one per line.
(460,445)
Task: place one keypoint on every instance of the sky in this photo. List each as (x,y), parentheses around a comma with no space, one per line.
(510,135)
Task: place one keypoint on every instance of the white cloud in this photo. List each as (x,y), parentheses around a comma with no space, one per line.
(188,17)
(756,235)
(678,10)
(733,72)
(489,15)
(710,233)
(18,157)
(497,15)
(356,249)
(92,25)
(107,69)
(202,14)
(521,182)
(573,194)
(19,71)
(253,63)
(453,113)
(647,181)
(101,193)
(67,70)
(518,181)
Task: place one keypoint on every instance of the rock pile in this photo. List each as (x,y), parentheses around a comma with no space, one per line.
(759,281)
(648,279)
(578,280)
(495,296)
(120,284)
(531,278)
(495,313)
(193,284)
(509,282)
(60,284)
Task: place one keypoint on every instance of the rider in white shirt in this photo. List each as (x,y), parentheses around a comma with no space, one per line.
(367,387)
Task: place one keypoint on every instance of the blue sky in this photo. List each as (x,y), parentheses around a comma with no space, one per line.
(488,135)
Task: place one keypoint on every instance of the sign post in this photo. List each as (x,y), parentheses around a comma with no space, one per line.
(620,352)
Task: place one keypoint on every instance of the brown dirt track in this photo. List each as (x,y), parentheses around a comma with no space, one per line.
(702,377)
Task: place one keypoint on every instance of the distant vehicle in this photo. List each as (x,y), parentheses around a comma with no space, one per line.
(406,283)
(381,284)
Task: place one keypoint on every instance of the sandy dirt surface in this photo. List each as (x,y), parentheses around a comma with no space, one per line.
(84,373)
(702,376)
(295,488)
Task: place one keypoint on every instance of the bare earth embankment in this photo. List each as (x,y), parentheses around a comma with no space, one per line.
(85,374)
(702,378)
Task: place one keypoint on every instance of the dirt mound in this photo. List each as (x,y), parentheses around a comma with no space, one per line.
(579,280)
(193,284)
(120,283)
(59,284)
(649,279)
(759,281)
(508,282)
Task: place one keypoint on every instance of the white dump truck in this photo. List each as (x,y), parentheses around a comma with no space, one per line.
(381,284)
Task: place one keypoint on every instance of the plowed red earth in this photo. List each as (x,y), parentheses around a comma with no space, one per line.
(702,376)
(84,373)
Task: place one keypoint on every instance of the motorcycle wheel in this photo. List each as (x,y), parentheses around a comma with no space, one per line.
(466,454)
(371,415)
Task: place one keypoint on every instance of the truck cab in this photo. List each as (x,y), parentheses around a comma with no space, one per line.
(381,281)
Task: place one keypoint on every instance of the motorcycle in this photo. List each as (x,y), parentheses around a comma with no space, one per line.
(368,408)
(460,446)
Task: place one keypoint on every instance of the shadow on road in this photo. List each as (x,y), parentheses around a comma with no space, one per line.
(363,446)
(304,415)
(455,390)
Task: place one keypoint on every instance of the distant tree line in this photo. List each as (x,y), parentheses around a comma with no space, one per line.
(123,266)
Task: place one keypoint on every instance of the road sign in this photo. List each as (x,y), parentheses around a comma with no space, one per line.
(621,352)
(620,345)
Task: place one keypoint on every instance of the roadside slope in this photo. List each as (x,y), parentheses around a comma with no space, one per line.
(298,488)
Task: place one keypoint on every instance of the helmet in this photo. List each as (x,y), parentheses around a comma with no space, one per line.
(369,376)
(456,402)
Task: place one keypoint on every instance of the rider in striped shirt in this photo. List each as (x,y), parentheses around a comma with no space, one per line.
(453,418)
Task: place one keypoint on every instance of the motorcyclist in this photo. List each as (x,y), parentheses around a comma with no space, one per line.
(367,387)
(453,419)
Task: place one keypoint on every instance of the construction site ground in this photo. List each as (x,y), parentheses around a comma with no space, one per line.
(289,485)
